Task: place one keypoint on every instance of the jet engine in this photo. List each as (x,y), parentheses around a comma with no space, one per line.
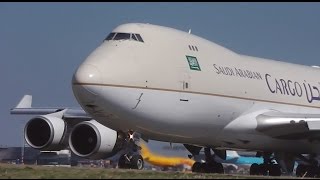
(92,140)
(46,132)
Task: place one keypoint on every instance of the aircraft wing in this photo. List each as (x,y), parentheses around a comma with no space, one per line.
(24,107)
(289,125)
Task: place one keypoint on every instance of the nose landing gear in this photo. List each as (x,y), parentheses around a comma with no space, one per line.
(131,159)
(131,162)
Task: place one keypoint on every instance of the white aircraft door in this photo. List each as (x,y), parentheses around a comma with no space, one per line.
(185,85)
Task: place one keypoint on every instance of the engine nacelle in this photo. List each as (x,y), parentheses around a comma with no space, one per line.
(90,139)
(46,133)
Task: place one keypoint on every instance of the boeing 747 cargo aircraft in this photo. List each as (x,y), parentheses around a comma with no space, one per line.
(157,83)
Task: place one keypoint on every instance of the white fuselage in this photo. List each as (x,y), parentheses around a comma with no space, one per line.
(150,87)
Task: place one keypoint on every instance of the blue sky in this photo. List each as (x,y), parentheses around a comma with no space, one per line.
(42,44)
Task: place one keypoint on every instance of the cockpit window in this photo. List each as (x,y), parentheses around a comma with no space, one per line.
(110,36)
(120,36)
(133,36)
(139,37)
(124,36)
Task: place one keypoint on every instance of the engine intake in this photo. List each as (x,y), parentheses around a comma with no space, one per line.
(90,139)
(45,133)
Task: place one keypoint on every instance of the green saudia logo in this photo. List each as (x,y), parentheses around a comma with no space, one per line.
(193,63)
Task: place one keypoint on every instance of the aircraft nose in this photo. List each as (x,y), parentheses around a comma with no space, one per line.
(87,74)
(86,83)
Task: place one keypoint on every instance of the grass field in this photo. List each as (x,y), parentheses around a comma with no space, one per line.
(11,171)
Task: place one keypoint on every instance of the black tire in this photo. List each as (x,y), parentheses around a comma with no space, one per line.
(263,169)
(137,162)
(196,167)
(203,168)
(254,169)
(274,170)
(209,168)
(219,168)
(311,171)
(122,162)
(318,172)
(301,170)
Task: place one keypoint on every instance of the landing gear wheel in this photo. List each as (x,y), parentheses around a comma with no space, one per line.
(263,169)
(254,169)
(137,162)
(312,171)
(219,168)
(203,168)
(318,172)
(274,170)
(301,170)
(122,162)
(209,168)
(196,167)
